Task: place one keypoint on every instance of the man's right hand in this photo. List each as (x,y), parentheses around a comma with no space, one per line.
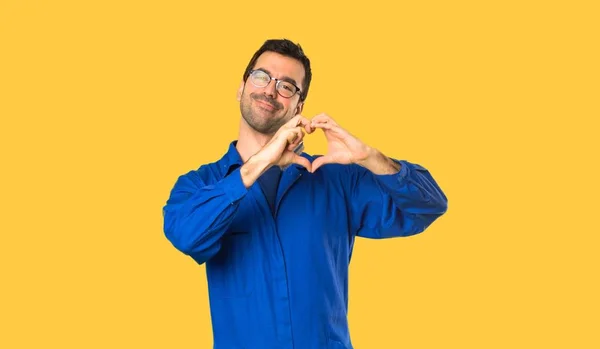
(279,151)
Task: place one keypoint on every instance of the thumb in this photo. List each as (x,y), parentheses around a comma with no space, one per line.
(320,161)
(302,161)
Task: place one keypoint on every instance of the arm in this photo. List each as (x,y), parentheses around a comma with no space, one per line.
(197,216)
(388,197)
(390,203)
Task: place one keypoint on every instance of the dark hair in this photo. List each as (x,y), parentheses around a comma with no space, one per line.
(286,48)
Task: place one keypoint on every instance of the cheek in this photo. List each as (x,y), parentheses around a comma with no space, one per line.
(288,105)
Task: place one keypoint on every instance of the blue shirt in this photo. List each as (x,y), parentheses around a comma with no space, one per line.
(269,182)
(280,280)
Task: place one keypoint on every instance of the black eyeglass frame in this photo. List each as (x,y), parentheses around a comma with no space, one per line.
(277,82)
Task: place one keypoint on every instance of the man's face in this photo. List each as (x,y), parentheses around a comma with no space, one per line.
(263,108)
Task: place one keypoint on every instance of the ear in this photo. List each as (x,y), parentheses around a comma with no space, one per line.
(240,91)
(299,107)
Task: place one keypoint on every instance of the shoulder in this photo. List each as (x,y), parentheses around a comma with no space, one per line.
(210,173)
(207,173)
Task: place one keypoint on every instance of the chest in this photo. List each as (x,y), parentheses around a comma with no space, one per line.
(309,213)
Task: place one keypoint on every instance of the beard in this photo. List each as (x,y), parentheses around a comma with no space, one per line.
(260,120)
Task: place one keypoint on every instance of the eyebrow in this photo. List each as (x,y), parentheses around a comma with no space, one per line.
(283,78)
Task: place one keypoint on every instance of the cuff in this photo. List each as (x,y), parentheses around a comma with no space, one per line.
(395,179)
(234,186)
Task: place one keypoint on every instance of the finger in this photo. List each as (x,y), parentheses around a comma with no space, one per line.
(324,126)
(320,161)
(323,118)
(293,122)
(299,148)
(309,128)
(304,122)
(300,120)
(292,146)
(329,127)
(294,137)
(302,161)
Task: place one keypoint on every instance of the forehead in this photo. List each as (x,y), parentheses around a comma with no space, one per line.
(280,66)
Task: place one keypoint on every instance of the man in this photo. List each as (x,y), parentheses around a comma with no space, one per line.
(276,227)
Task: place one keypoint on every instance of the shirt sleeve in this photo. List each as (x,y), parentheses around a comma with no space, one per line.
(196,215)
(400,204)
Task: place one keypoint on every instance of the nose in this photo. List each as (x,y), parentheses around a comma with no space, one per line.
(270,89)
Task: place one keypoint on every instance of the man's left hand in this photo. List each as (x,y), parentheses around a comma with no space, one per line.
(344,148)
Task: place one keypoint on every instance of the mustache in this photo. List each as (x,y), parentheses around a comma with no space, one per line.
(271,101)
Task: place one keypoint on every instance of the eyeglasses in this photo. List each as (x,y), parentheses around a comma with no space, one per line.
(286,89)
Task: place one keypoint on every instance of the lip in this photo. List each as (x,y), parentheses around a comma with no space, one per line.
(266,105)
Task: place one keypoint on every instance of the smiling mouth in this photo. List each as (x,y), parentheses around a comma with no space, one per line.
(265,105)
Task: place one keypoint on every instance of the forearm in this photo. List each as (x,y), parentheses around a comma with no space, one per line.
(197,215)
(379,164)
(253,169)
(400,204)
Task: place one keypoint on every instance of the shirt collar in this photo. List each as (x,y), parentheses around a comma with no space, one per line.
(231,160)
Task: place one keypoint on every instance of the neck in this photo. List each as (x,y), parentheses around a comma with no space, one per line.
(250,141)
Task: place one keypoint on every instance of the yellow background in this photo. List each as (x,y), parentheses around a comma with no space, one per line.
(103,104)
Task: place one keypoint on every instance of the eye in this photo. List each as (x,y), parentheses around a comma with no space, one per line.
(262,77)
(287,86)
